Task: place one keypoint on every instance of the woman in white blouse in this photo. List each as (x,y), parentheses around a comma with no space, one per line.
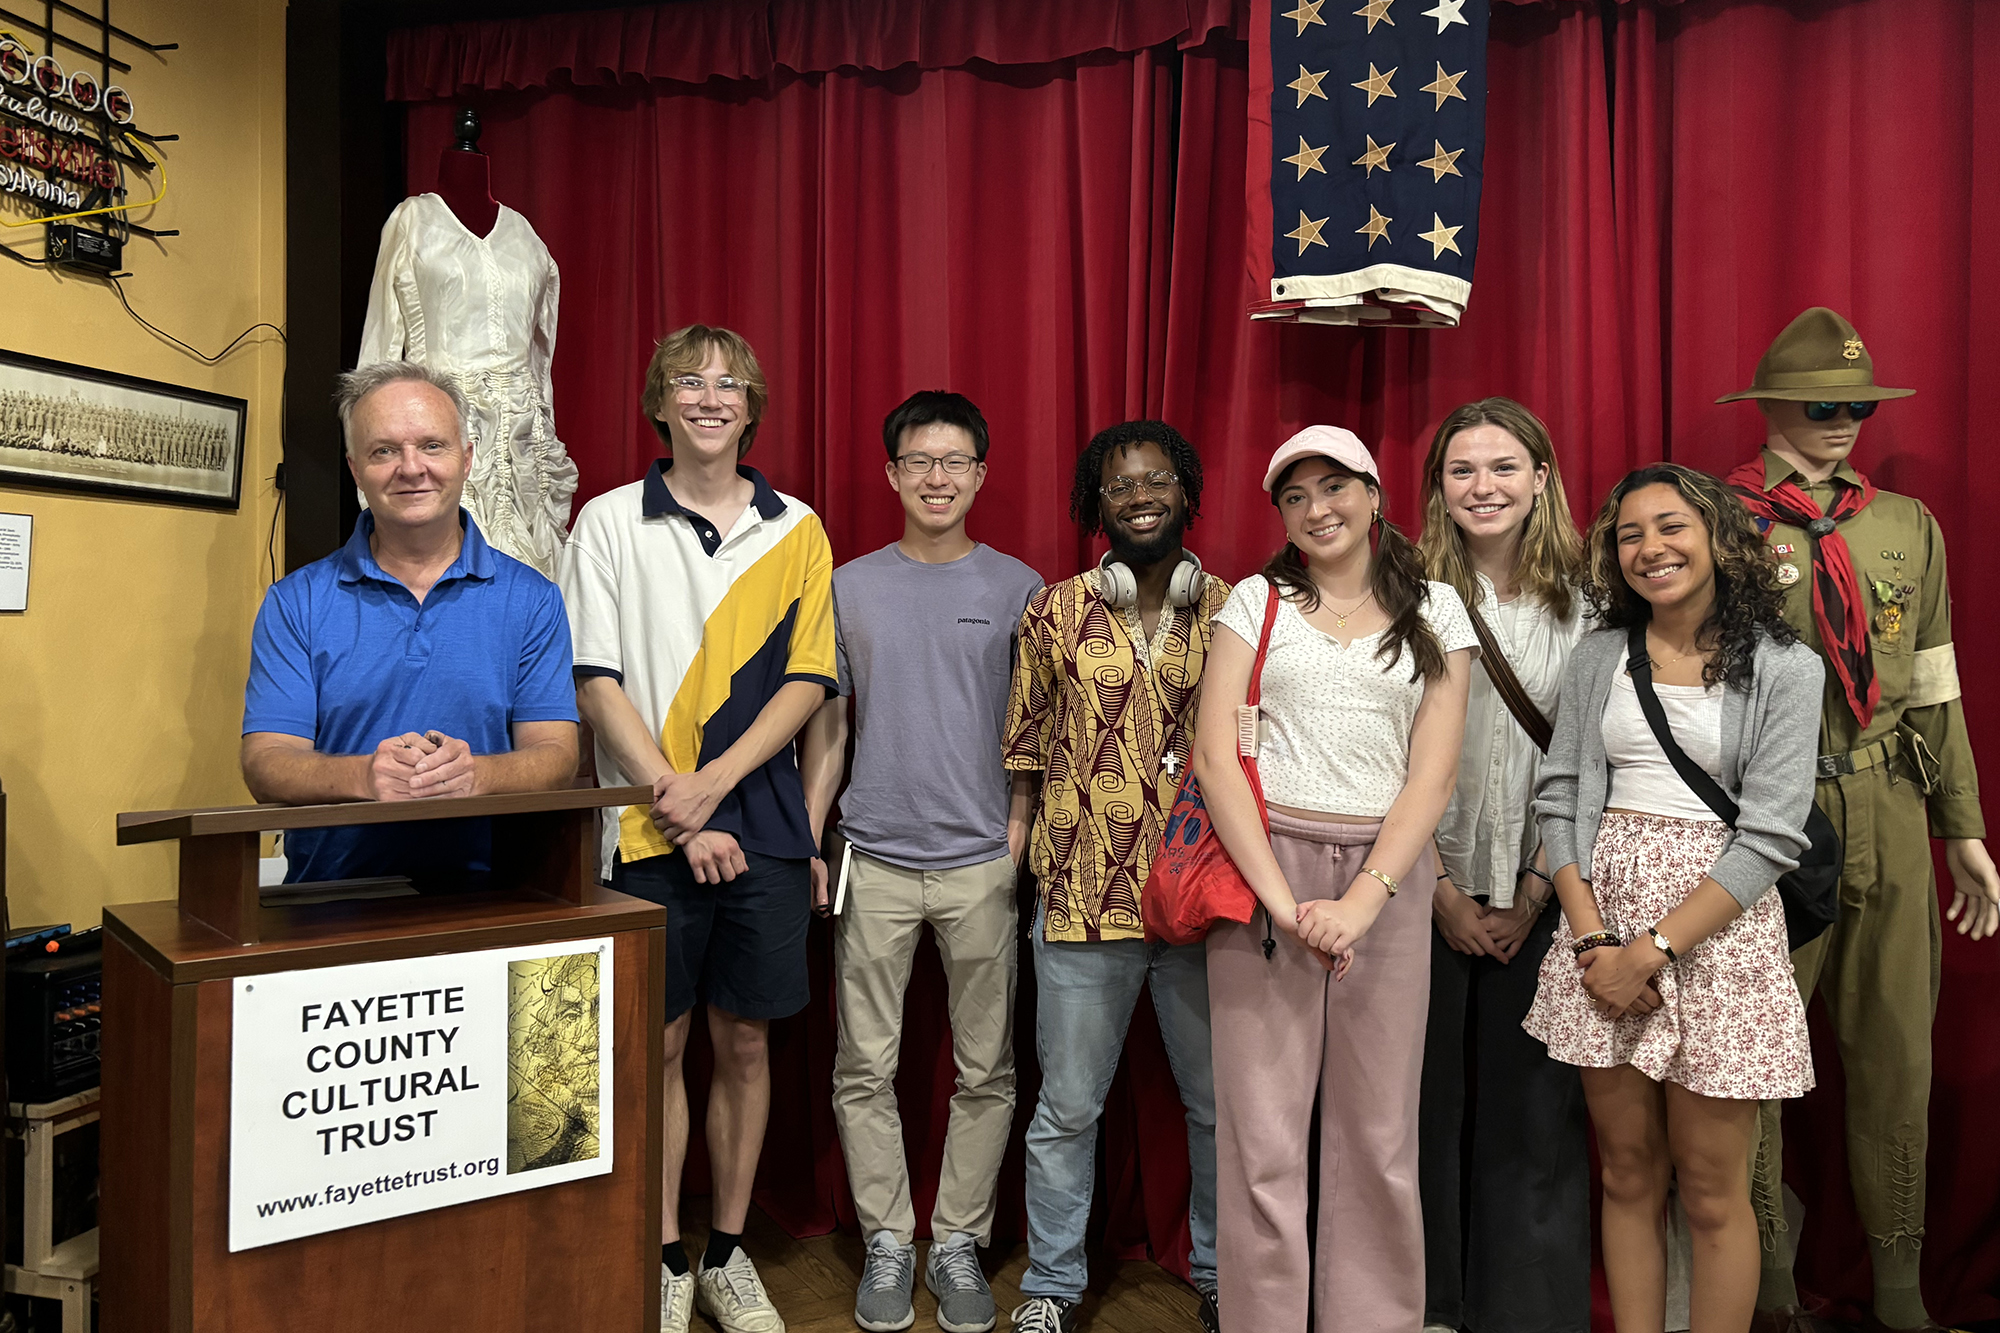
(1363,706)
(1514,1257)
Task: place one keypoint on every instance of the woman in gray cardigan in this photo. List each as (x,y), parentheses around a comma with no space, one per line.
(1670,982)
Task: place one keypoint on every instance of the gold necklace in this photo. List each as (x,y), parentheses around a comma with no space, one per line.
(1657,664)
(1340,617)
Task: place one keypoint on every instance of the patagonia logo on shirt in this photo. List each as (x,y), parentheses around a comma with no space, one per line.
(973,620)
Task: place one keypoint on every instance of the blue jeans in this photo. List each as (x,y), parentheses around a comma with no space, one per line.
(1085,997)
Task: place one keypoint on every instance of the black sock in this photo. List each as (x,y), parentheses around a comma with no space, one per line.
(675,1256)
(721,1244)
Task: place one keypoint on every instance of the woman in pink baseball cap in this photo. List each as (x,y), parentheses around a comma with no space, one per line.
(1357,733)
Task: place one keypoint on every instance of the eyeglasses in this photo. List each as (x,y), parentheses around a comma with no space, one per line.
(919,464)
(728,387)
(1828,411)
(1124,490)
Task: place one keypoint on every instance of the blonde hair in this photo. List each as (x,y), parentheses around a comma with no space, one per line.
(685,352)
(1550,563)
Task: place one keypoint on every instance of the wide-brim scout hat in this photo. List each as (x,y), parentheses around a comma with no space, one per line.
(1819,358)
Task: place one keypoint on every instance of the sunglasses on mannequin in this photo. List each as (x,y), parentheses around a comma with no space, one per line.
(1827,411)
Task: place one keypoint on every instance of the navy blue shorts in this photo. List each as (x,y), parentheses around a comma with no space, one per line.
(739,945)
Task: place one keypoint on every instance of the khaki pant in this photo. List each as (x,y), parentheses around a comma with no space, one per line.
(971,910)
(1876,968)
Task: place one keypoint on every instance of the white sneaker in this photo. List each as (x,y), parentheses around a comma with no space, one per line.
(734,1297)
(676,1301)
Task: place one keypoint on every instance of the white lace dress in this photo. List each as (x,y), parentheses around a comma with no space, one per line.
(484,309)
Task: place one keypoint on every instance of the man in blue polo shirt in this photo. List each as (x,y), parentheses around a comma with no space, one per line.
(414,662)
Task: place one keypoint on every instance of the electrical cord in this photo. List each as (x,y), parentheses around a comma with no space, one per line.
(271,545)
(189,348)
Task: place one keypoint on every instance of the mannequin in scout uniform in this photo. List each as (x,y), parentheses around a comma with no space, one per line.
(1865,577)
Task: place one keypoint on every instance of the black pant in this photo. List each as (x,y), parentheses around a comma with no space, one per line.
(1507,1234)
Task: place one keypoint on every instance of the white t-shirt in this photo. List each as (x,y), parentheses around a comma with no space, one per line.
(1642,777)
(1337,719)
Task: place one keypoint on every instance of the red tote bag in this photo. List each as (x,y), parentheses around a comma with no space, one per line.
(1193,882)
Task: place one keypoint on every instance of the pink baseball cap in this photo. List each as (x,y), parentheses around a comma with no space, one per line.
(1342,446)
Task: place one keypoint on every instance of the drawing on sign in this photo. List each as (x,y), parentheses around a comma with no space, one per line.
(552,1061)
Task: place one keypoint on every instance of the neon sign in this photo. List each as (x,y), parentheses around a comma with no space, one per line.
(24,69)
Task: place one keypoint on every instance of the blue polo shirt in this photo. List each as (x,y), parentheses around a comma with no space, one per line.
(344,655)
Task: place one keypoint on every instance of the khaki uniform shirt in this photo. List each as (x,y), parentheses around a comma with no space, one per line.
(1898,555)
(1096,710)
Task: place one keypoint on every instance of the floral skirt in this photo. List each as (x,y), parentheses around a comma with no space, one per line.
(1730,1023)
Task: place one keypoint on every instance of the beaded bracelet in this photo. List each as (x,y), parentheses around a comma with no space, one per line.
(1387,883)
(1597,939)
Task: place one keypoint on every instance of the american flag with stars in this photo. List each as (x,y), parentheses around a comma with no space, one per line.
(1367,127)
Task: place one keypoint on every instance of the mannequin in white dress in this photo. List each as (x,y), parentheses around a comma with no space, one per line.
(463,284)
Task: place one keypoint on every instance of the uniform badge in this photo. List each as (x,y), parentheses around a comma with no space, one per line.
(1893,594)
(1889,623)
(1782,548)
(1788,573)
(1852,349)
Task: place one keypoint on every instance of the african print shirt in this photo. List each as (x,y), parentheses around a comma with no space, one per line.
(1098,721)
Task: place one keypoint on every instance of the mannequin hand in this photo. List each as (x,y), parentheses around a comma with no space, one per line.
(1617,979)
(1975,904)
(1464,924)
(1508,927)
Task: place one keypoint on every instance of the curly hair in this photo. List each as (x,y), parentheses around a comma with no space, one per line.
(1551,552)
(1083,496)
(1749,600)
(1395,577)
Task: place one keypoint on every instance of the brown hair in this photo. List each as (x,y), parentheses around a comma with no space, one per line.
(1749,600)
(1550,562)
(685,352)
(1395,577)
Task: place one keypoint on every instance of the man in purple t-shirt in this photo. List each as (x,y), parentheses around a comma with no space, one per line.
(936,827)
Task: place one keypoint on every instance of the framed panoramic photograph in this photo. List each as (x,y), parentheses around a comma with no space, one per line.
(82,429)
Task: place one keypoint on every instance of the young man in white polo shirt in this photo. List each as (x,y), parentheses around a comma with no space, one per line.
(926,635)
(700,601)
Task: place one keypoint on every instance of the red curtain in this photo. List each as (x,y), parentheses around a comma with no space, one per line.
(1064,242)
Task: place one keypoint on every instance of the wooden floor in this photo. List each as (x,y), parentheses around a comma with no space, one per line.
(812,1283)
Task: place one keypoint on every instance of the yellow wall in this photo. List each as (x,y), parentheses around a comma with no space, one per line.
(121,688)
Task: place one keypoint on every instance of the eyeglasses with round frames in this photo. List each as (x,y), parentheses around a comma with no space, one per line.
(727,387)
(920,464)
(1124,490)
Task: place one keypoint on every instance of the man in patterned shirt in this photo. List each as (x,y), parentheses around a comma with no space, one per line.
(1103,707)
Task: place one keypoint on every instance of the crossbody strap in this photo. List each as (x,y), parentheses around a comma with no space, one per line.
(1501,672)
(1263,648)
(1640,667)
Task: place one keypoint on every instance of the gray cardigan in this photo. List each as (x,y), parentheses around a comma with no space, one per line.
(1770,739)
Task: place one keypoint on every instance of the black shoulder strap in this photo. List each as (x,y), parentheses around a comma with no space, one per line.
(1640,667)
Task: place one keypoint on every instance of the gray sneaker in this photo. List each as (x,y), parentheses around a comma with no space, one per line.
(965,1302)
(882,1305)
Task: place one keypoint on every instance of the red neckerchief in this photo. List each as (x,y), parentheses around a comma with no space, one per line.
(1836,590)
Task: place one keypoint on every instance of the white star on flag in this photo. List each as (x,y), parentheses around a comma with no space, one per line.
(1447,13)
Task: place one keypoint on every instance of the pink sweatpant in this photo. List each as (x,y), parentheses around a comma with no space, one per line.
(1284,1031)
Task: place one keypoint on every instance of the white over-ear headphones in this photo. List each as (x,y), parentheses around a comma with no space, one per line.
(1121,590)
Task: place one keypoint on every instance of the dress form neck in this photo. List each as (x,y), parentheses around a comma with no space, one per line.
(466,186)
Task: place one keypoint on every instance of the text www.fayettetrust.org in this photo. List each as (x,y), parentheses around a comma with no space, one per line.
(349,1194)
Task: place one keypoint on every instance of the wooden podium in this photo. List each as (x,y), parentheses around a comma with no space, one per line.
(582,1254)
